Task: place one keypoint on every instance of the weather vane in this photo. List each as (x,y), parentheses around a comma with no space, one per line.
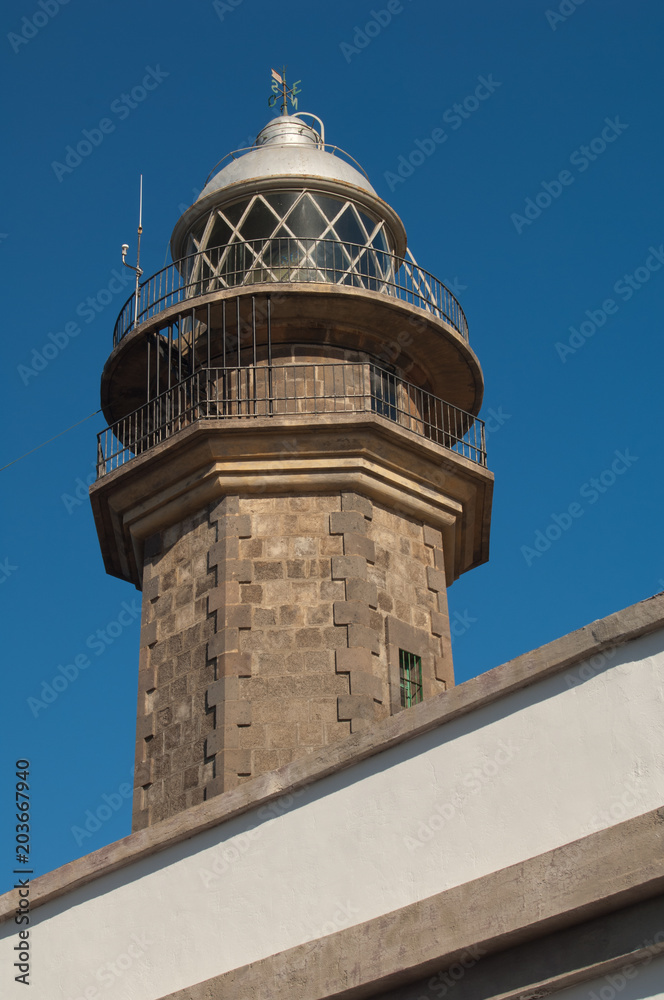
(280,89)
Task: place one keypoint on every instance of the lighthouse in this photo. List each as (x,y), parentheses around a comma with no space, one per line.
(293,472)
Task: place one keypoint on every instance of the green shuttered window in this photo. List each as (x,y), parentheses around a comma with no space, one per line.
(410,678)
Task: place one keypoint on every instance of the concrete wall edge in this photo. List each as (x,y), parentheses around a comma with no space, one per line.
(598,637)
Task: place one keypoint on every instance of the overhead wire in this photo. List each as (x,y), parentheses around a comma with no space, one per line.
(32,450)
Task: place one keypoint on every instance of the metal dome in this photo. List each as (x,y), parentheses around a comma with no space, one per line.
(289,155)
(287,146)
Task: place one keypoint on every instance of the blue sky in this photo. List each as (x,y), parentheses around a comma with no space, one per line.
(556,254)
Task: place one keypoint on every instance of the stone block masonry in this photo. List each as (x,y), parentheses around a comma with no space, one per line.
(409,574)
(294,688)
(272,628)
(173,719)
(231,616)
(357,615)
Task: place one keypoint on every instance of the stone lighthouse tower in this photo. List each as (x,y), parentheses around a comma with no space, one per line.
(293,471)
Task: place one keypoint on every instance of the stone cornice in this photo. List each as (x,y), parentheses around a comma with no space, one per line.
(328,453)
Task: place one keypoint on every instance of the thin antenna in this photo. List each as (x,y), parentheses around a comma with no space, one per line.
(125,251)
(139,272)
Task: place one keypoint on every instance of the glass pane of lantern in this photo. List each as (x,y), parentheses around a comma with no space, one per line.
(198,229)
(330,207)
(281,201)
(348,228)
(234,212)
(305,219)
(220,235)
(379,241)
(259,224)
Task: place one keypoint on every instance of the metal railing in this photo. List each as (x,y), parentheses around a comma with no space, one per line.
(288,260)
(237,154)
(295,391)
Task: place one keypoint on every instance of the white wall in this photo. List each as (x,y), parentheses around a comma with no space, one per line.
(536,770)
